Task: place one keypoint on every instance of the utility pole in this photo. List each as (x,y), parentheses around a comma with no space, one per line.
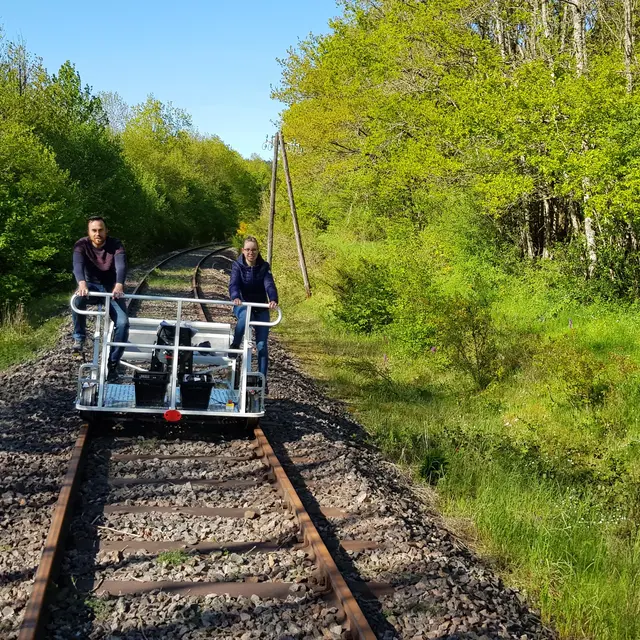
(294,215)
(272,199)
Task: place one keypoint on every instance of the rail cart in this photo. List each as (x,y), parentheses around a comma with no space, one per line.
(174,369)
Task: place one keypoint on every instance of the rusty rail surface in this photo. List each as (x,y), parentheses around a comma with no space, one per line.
(33,626)
(357,624)
(142,285)
(356,621)
(203,310)
(34,618)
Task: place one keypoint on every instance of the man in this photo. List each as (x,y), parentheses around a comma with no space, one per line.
(100,264)
(251,281)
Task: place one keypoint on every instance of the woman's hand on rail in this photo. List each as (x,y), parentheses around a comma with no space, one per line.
(118,291)
(83,290)
(273,304)
(237,301)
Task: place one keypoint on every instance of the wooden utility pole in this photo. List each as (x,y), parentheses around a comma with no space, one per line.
(272,199)
(294,215)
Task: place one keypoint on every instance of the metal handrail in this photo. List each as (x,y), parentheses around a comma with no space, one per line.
(175,348)
(221,303)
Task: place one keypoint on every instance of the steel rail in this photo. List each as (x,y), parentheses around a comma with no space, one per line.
(144,281)
(357,624)
(203,310)
(33,624)
(34,620)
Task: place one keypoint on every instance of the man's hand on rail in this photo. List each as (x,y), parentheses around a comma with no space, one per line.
(118,291)
(83,290)
(273,305)
(237,301)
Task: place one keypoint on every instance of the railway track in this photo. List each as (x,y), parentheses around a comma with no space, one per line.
(188,538)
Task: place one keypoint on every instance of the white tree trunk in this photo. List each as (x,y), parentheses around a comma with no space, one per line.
(580,50)
(590,236)
(547,214)
(544,16)
(563,28)
(627,41)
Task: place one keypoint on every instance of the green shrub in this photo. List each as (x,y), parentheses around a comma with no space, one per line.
(364,297)
(470,336)
(575,372)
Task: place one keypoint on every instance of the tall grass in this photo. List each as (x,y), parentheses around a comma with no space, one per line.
(540,470)
(25,330)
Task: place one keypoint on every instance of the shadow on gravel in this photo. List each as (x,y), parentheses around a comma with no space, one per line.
(367,601)
(29,425)
(441,569)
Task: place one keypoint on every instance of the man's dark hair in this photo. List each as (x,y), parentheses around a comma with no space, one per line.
(97,219)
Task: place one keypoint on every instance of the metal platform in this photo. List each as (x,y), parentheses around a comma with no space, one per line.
(123,396)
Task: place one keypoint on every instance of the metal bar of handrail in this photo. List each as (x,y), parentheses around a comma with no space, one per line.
(222,303)
(174,363)
(102,372)
(168,347)
(176,348)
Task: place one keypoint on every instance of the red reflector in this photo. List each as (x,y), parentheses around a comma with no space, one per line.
(172,415)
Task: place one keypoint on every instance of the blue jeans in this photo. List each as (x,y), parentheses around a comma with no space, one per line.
(262,334)
(117,312)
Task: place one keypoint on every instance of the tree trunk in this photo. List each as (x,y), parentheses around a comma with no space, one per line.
(547,219)
(563,28)
(575,219)
(627,41)
(590,236)
(535,30)
(499,30)
(527,240)
(544,16)
(577,11)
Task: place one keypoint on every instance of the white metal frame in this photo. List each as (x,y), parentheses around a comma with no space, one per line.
(95,372)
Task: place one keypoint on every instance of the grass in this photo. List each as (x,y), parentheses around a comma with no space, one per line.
(99,607)
(172,558)
(27,329)
(540,471)
(170,280)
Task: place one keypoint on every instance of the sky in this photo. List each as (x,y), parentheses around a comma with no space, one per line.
(215,59)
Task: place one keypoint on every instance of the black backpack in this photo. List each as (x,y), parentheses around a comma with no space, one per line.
(166,336)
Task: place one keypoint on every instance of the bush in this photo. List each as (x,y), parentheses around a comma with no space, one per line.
(578,375)
(470,336)
(364,297)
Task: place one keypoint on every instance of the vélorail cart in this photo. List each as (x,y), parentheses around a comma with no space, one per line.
(168,374)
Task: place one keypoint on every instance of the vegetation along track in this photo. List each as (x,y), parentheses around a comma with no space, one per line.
(201,523)
(411,578)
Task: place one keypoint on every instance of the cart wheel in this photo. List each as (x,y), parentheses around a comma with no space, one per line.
(250,425)
(89,396)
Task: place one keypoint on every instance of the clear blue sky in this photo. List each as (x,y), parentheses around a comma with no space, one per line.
(216,59)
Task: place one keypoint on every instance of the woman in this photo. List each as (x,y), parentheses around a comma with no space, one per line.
(251,281)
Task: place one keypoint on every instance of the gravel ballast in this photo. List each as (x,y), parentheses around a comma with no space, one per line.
(440,589)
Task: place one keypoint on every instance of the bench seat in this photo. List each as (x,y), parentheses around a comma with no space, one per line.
(145,330)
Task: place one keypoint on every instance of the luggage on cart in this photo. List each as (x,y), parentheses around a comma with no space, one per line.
(150,387)
(195,391)
(162,359)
